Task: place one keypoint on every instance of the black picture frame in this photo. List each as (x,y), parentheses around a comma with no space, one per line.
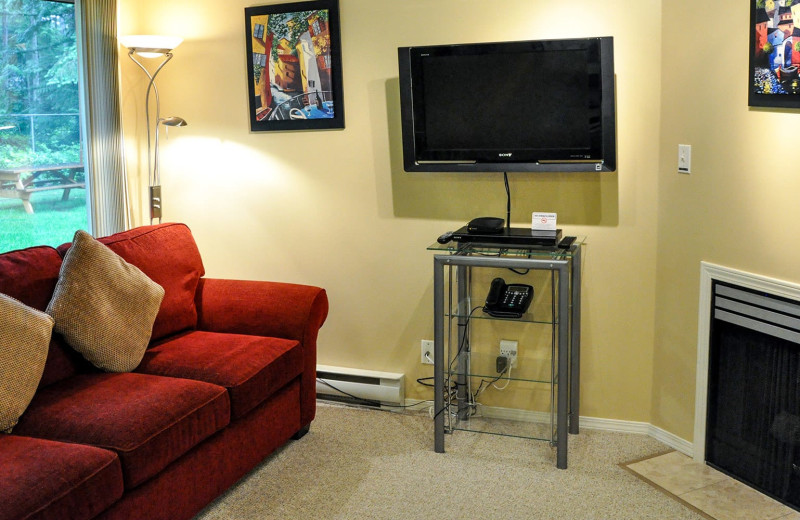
(774,55)
(294,66)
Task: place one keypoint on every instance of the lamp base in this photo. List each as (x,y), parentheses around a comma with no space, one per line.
(155,202)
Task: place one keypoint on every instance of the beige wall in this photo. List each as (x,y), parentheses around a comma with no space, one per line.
(739,206)
(335,209)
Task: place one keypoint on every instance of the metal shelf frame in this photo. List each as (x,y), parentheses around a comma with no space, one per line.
(566,265)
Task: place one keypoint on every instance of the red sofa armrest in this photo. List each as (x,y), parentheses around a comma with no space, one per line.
(272,309)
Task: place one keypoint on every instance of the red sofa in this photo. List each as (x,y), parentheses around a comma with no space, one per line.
(229,376)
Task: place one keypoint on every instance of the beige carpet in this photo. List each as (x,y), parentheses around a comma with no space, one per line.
(369,464)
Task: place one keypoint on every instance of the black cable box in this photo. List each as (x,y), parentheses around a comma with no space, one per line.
(520,237)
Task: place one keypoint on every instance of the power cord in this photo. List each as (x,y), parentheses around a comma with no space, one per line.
(508,200)
(508,371)
(462,344)
(503,368)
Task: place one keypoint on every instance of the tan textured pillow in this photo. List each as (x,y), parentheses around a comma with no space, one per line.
(103,306)
(24,343)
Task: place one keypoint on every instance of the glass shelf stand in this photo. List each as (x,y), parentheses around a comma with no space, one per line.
(453,368)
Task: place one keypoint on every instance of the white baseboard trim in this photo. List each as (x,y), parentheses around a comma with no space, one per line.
(615,425)
(592,423)
(672,440)
(659,434)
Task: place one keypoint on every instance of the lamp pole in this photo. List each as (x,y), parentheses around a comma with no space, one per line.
(153,183)
(153,47)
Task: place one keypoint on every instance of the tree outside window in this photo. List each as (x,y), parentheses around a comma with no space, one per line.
(39,125)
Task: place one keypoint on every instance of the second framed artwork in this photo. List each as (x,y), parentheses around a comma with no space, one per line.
(294,66)
(774,54)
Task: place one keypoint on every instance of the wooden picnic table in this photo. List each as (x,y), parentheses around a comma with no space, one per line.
(13,186)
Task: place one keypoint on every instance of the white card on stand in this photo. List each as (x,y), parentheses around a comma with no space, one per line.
(544,221)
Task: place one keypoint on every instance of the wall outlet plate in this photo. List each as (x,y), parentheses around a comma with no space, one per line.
(426,347)
(508,348)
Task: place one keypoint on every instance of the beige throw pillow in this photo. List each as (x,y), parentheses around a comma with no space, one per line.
(103,306)
(24,343)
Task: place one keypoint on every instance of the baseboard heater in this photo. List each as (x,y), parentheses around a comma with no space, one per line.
(354,385)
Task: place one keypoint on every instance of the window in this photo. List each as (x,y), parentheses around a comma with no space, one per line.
(42,180)
(259,60)
(258,31)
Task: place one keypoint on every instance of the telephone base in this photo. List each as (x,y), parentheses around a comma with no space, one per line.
(503,314)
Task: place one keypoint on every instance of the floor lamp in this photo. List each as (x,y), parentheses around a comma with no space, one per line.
(152,46)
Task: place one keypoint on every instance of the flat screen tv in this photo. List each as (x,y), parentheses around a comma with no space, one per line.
(546,105)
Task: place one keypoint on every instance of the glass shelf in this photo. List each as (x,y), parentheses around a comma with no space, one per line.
(538,431)
(468,248)
(491,377)
(528,317)
(478,416)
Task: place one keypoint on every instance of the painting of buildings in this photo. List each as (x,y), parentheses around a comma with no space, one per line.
(291,59)
(776,52)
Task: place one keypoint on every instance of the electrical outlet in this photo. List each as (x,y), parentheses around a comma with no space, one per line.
(508,348)
(426,348)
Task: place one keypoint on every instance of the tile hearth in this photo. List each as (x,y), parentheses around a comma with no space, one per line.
(708,491)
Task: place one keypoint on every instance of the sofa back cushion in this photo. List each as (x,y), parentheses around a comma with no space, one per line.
(168,255)
(30,275)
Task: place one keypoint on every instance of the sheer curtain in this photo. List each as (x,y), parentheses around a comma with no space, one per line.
(96,22)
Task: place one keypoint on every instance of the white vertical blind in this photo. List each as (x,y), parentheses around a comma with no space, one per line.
(96,22)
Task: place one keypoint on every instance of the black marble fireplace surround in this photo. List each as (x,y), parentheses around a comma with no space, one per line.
(753,415)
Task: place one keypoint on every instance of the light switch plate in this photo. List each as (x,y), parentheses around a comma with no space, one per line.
(684,158)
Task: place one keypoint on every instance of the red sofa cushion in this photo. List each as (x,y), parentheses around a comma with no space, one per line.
(43,479)
(250,367)
(270,309)
(186,486)
(30,275)
(148,420)
(166,253)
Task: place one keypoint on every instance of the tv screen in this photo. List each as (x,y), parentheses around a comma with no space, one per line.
(515,106)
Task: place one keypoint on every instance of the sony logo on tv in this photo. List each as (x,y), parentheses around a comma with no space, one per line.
(505,154)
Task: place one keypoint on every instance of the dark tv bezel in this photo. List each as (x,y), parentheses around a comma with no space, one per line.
(605,163)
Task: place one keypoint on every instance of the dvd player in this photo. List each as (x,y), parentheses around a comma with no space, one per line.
(520,237)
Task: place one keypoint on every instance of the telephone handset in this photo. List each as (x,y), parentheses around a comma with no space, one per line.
(508,301)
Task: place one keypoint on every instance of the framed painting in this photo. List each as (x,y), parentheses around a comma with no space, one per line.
(774,53)
(294,66)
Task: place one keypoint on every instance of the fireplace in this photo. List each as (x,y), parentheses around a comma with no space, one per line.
(750,427)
